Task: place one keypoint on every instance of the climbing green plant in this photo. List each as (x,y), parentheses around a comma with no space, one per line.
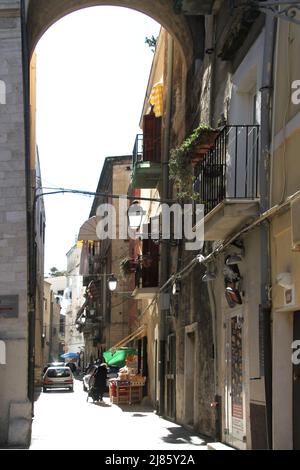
(180,163)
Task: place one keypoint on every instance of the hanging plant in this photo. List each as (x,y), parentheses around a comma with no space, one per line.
(185,156)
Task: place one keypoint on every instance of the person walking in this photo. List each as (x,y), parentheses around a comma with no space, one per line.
(98,381)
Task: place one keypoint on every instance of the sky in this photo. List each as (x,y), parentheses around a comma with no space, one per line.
(92,72)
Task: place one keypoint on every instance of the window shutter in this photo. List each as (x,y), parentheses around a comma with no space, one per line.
(152,138)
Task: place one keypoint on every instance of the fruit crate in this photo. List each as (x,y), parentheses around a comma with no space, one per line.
(125,392)
(119,392)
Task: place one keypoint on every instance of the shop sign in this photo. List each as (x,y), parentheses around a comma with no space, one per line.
(9,306)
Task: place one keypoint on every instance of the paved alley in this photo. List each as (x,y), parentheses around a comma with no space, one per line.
(65,420)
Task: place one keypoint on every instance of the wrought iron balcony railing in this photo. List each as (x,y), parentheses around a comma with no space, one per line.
(146,273)
(230,169)
(137,152)
(146,168)
(146,149)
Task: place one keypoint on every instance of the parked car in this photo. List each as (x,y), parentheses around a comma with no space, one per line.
(53,364)
(112,372)
(58,377)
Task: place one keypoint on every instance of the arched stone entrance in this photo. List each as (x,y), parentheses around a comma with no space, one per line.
(41,14)
(16,250)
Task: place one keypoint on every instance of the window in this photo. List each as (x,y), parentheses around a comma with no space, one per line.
(59,372)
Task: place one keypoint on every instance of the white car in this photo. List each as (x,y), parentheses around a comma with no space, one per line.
(58,377)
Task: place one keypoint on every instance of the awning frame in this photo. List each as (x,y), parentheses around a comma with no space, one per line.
(139,332)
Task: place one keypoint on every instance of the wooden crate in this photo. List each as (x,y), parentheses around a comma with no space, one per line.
(120,393)
(136,393)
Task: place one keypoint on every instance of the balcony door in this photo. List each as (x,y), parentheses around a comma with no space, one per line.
(152,138)
(150,250)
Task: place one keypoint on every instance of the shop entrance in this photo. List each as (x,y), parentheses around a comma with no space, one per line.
(296,388)
(235,432)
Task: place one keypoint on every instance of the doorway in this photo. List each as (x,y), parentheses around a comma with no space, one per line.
(171,377)
(190,376)
(296,387)
(235,429)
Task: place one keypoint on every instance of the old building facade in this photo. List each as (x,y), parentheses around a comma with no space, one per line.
(221,328)
(72,301)
(106,317)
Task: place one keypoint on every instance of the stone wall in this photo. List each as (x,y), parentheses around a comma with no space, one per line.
(15,409)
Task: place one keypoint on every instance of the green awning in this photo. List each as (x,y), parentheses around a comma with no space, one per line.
(118,356)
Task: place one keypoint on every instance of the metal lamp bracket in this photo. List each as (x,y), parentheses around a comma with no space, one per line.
(288,9)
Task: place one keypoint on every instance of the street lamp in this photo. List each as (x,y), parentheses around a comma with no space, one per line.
(135,215)
(233,259)
(112,283)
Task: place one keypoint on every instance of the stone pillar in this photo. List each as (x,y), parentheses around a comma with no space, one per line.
(15,408)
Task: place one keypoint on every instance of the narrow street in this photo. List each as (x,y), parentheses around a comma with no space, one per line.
(66,421)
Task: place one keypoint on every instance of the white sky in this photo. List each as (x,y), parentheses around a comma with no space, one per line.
(92,72)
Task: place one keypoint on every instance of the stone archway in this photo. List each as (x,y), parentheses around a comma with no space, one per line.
(41,14)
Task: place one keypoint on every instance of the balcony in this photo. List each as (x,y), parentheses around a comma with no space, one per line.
(227,181)
(146,174)
(146,168)
(147,272)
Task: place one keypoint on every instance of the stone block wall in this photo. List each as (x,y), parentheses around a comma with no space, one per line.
(15,409)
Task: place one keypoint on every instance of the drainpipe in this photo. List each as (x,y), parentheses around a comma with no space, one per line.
(164,255)
(264,172)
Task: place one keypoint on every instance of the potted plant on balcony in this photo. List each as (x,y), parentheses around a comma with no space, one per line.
(187,155)
(203,139)
(127,266)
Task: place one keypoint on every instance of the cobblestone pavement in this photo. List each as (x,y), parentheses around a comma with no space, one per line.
(65,420)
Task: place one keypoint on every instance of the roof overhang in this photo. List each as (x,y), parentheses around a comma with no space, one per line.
(88,230)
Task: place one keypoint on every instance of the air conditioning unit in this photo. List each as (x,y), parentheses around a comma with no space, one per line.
(295,224)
